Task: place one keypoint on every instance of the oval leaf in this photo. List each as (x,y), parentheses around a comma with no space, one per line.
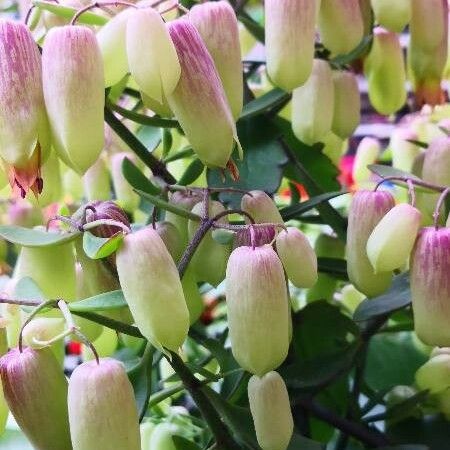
(98,248)
(101,302)
(29,237)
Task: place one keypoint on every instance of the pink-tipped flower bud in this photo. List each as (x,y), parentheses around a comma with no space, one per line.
(261,207)
(210,259)
(430,286)
(102,408)
(384,68)
(290,36)
(313,105)
(152,57)
(152,288)
(199,101)
(35,389)
(391,241)
(108,210)
(427,53)
(271,411)
(24,131)
(257,236)
(218,26)
(392,15)
(341,25)
(366,210)
(404,152)
(298,257)
(74,94)
(347,104)
(258,309)
(112,43)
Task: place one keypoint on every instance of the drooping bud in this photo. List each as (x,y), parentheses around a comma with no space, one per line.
(258,312)
(187,201)
(256,236)
(351,297)
(161,438)
(199,101)
(341,25)
(24,131)
(146,430)
(126,197)
(42,329)
(393,16)
(108,210)
(271,411)
(298,257)
(112,43)
(391,241)
(152,57)
(434,375)
(102,409)
(427,53)
(366,210)
(290,36)
(261,207)
(96,182)
(35,389)
(404,152)
(152,288)
(168,232)
(218,26)
(74,94)
(430,287)
(347,104)
(210,259)
(384,68)
(313,104)
(367,153)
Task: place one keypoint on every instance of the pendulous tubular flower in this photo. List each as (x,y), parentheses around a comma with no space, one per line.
(341,25)
(384,69)
(199,101)
(74,94)
(261,207)
(391,241)
(102,408)
(152,288)
(271,411)
(427,53)
(313,105)
(290,37)
(430,286)
(35,389)
(24,131)
(392,15)
(258,308)
(152,57)
(298,257)
(366,210)
(218,26)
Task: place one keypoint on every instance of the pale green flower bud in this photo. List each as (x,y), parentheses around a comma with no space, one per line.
(218,26)
(271,411)
(149,279)
(367,153)
(161,438)
(168,232)
(393,15)
(102,408)
(74,94)
(391,241)
(434,375)
(403,152)
(298,257)
(194,300)
(96,181)
(126,197)
(341,25)
(313,105)
(42,329)
(261,207)
(259,336)
(290,36)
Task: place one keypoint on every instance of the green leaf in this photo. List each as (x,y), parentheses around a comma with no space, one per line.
(393,359)
(300,442)
(121,327)
(192,173)
(256,30)
(29,237)
(265,103)
(97,247)
(102,302)
(419,143)
(67,12)
(150,136)
(185,152)
(333,266)
(27,289)
(137,179)
(261,167)
(398,297)
(342,60)
(294,211)
(182,443)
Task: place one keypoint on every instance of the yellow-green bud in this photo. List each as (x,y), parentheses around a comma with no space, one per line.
(392,15)
(261,207)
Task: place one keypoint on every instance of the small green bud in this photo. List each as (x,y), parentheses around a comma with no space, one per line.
(392,15)
(261,207)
